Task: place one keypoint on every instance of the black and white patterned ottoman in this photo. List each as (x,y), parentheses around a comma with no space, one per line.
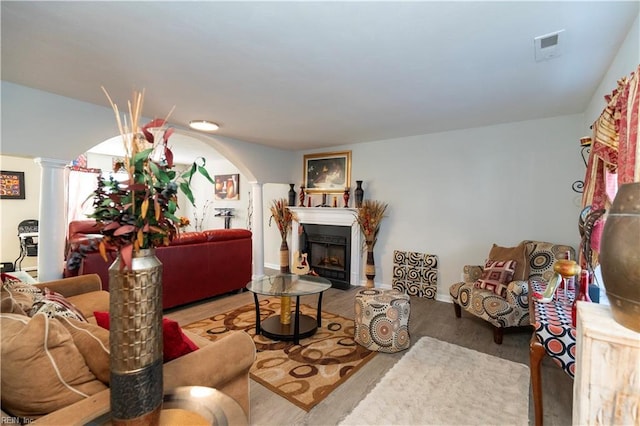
(382,320)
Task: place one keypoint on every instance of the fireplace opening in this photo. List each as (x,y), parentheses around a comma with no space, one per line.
(328,249)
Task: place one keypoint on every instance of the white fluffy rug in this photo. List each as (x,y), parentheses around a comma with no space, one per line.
(438,383)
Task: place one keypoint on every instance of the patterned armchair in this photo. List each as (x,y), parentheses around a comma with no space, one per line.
(534,260)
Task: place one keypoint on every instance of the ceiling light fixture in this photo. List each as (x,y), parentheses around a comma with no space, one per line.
(204,125)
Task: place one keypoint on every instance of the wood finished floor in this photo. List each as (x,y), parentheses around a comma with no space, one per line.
(428,318)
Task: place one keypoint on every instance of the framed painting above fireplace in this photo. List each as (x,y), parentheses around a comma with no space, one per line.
(327,172)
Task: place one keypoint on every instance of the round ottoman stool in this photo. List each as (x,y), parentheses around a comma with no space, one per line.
(382,320)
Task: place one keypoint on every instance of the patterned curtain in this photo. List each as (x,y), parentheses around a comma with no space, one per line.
(615,153)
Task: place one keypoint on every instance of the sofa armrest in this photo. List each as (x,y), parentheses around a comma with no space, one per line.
(223,364)
(471,273)
(74,286)
(79,413)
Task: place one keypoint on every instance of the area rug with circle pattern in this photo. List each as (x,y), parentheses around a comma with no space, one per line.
(303,374)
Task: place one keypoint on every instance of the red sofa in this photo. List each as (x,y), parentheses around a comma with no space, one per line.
(196,265)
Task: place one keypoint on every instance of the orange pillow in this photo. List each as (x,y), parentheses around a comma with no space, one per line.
(175,343)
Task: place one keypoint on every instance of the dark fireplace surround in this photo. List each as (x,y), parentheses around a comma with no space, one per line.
(328,249)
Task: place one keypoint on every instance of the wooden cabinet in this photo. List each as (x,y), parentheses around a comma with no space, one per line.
(606,389)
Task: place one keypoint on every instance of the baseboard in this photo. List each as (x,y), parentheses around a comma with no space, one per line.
(443,298)
(439,297)
(275,266)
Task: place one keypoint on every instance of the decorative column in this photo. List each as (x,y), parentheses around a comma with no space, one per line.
(51,218)
(258,230)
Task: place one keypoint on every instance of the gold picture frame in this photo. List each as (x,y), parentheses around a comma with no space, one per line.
(327,172)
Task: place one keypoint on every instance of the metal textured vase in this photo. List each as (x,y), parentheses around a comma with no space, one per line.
(620,256)
(135,340)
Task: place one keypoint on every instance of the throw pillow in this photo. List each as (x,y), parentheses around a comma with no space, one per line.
(14,303)
(496,276)
(42,370)
(175,342)
(26,293)
(55,305)
(517,253)
(93,343)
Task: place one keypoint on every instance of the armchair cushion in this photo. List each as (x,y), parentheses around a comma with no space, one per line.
(496,276)
(517,253)
(502,312)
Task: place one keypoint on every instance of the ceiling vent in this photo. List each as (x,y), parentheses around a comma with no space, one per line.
(548,46)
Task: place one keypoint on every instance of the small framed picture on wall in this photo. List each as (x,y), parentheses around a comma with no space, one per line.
(227,187)
(11,185)
(328,172)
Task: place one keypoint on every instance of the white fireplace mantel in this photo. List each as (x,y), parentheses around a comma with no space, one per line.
(337,216)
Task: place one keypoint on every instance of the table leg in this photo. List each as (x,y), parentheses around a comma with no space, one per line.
(296,328)
(536,352)
(255,299)
(319,314)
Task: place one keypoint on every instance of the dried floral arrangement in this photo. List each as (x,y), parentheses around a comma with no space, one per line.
(139,212)
(282,216)
(369,217)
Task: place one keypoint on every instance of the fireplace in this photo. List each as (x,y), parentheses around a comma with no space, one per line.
(328,249)
(344,220)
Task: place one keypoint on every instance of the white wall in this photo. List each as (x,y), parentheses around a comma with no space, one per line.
(453,194)
(205,192)
(66,127)
(625,62)
(12,212)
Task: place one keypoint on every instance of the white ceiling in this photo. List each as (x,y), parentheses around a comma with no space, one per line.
(305,75)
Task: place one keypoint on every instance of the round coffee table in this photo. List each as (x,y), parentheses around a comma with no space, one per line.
(286,286)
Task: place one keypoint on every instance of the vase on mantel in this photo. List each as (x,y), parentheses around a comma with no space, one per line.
(135,339)
(346,197)
(359,194)
(301,196)
(292,195)
(370,266)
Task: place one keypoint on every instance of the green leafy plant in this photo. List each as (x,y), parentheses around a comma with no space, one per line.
(140,212)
